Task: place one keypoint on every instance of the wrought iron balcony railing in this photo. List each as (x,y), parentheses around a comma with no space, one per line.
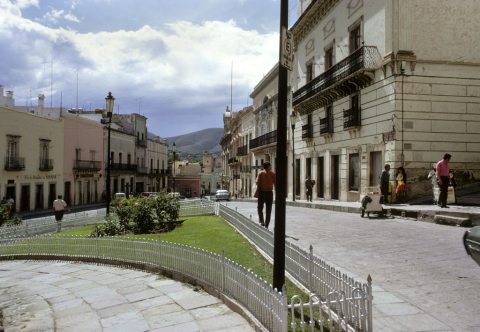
(122,167)
(154,171)
(14,164)
(233,160)
(307,131)
(46,164)
(142,143)
(242,151)
(87,165)
(366,57)
(142,170)
(266,139)
(167,171)
(326,125)
(352,118)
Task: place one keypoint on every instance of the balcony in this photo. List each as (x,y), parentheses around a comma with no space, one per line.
(356,70)
(242,151)
(266,139)
(14,164)
(120,167)
(307,131)
(141,143)
(46,164)
(87,165)
(167,171)
(233,160)
(142,170)
(326,126)
(154,172)
(352,118)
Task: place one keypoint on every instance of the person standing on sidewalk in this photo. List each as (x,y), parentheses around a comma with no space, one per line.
(309,185)
(443,179)
(384,182)
(58,206)
(266,181)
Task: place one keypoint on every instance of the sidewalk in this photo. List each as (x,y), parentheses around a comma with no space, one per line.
(454,214)
(49,212)
(66,296)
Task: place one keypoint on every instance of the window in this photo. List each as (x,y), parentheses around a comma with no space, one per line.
(12,150)
(120,157)
(112,157)
(92,155)
(355,101)
(354,172)
(78,154)
(310,71)
(355,39)
(329,58)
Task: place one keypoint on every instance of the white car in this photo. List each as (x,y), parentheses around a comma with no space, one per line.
(222,195)
(120,196)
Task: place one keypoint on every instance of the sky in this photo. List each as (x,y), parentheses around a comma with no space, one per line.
(170,60)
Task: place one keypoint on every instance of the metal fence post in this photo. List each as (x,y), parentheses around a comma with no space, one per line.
(96,241)
(28,244)
(285,309)
(370,301)
(223,270)
(159,252)
(310,269)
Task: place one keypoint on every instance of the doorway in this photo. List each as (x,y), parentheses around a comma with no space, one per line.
(67,193)
(308,168)
(39,196)
(320,177)
(24,198)
(52,193)
(78,192)
(86,192)
(375,167)
(336,177)
(297,177)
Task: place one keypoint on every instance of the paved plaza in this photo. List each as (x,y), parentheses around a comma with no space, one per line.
(423,279)
(63,296)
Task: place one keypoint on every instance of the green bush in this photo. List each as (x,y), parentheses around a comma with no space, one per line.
(4,212)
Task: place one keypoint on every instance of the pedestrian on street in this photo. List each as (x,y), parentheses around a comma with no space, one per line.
(4,201)
(309,185)
(11,202)
(58,206)
(401,185)
(266,181)
(384,182)
(443,179)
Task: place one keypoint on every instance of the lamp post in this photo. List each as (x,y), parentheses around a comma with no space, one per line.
(174,149)
(109,100)
(293,117)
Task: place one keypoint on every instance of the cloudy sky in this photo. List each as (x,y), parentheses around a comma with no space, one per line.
(169,58)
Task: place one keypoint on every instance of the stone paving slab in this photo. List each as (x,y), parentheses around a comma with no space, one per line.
(67,296)
(422,278)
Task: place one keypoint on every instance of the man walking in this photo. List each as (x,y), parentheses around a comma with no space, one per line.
(58,206)
(384,182)
(309,185)
(266,181)
(443,179)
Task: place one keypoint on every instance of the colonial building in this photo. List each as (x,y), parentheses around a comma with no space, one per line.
(83,173)
(186,179)
(32,148)
(378,82)
(157,158)
(225,142)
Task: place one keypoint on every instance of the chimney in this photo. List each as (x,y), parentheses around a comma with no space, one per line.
(9,94)
(41,100)
(1,90)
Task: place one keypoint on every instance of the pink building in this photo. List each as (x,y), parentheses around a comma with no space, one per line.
(83,160)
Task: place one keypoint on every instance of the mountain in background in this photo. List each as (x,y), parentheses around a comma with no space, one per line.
(194,143)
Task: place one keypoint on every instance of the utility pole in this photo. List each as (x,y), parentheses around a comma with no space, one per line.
(281,164)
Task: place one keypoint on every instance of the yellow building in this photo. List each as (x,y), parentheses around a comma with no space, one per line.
(31,147)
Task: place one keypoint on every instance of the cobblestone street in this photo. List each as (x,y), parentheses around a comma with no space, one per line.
(423,279)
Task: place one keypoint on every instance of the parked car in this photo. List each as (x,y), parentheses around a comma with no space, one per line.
(222,195)
(176,195)
(120,196)
(471,240)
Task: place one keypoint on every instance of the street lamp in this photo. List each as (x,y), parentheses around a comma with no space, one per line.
(174,149)
(293,117)
(109,100)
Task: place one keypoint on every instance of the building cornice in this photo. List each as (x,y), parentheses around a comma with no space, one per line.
(271,75)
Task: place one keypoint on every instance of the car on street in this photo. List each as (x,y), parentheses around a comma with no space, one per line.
(471,241)
(222,195)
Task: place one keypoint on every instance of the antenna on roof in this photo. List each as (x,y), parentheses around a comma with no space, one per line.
(231,89)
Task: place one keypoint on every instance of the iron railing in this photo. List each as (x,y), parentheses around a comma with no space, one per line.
(233,160)
(154,171)
(142,143)
(246,169)
(307,131)
(352,118)
(87,165)
(242,151)
(46,164)
(266,139)
(14,164)
(326,125)
(122,167)
(366,57)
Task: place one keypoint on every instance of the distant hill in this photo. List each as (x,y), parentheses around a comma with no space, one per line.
(194,143)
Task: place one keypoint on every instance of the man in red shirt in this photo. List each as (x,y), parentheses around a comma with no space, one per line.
(443,179)
(266,181)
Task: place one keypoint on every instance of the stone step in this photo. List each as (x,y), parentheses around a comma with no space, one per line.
(452,221)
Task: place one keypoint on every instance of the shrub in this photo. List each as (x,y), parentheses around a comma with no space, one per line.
(110,227)
(4,212)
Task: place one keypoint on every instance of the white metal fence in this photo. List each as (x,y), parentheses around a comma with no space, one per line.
(347,303)
(341,296)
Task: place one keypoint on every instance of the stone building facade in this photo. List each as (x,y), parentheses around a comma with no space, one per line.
(378,82)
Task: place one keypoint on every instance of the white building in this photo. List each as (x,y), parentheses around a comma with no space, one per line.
(354,114)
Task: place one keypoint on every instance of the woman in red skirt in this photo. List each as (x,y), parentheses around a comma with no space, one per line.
(401,185)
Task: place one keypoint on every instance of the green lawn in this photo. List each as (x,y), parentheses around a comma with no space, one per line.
(214,233)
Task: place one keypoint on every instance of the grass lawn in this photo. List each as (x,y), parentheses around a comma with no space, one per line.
(214,233)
